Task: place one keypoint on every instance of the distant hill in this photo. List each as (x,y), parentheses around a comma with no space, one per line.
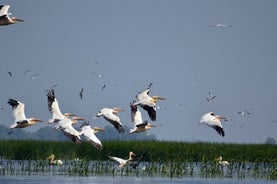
(48,133)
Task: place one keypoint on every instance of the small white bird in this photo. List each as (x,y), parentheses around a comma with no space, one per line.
(19,115)
(136,117)
(89,133)
(54,108)
(122,162)
(220,25)
(148,103)
(213,121)
(54,162)
(109,115)
(5,19)
(222,162)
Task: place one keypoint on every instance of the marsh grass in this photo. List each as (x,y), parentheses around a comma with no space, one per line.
(166,159)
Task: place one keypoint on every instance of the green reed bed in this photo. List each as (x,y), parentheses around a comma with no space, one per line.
(162,158)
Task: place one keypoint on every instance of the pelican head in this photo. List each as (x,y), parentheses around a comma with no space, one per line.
(116,110)
(219,159)
(157,98)
(51,157)
(131,154)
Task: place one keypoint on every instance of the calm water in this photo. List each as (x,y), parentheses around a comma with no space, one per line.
(38,179)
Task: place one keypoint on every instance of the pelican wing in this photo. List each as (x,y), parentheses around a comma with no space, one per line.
(116,123)
(118,160)
(53,106)
(219,130)
(18,110)
(151,110)
(4,10)
(69,131)
(90,136)
(136,114)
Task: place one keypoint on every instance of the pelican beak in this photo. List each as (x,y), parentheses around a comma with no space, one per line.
(98,129)
(78,118)
(221,117)
(38,120)
(152,125)
(69,115)
(156,98)
(18,20)
(116,109)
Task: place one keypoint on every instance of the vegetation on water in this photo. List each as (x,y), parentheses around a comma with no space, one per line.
(153,150)
(172,159)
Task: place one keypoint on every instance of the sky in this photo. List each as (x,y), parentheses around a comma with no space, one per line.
(126,45)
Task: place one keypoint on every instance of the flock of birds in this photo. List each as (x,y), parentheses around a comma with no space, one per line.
(65,122)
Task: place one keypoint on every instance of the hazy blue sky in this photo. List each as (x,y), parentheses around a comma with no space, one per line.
(126,44)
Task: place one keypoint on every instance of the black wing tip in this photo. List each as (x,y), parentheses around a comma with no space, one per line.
(220,131)
(51,94)
(13,102)
(120,130)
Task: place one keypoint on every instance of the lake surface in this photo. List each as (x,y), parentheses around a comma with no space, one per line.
(57,179)
(38,179)
(94,172)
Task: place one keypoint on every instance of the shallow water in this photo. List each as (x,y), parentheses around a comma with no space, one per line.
(57,179)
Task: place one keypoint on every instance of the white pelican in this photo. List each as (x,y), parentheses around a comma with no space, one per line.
(54,162)
(222,162)
(54,108)
(122,163)
(213,121)
(5,19)
(19,115)
(136,117)
(109,115)
(148,103)
(89,133)
(68,130)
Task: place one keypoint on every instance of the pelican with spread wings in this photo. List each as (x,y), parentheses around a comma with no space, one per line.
(18,111)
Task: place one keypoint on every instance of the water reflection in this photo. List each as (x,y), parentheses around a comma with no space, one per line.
(165,170)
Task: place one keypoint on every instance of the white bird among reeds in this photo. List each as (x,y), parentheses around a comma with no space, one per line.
(222,162)
(52,160)
(5,18)
(122,162)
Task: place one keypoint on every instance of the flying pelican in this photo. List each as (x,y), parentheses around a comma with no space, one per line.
(54,162)
(109,115)
(222,162)
(5,19)
(68,130)
(148,103)
(122,163)
(89,133)
(54,108)
(19,115)
(213,121)
(136,117)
